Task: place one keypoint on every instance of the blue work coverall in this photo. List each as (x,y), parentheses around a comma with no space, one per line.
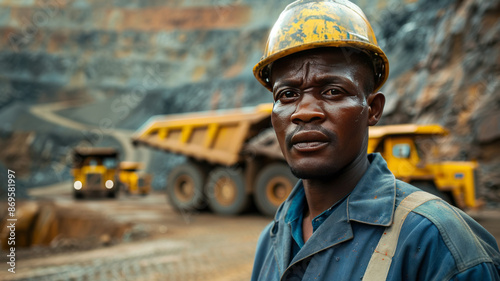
(437,241)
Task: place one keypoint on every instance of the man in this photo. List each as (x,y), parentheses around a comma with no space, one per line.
(348,218)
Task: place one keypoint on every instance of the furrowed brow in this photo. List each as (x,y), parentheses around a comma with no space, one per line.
(331,79)
(295,83)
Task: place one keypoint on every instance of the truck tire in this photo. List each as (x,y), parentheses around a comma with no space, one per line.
(430,187)
(226,194)
(273,185)
(185,187)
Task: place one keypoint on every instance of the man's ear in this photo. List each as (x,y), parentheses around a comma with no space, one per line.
(376,102)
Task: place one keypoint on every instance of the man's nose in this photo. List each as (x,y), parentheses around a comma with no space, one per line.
(308,110)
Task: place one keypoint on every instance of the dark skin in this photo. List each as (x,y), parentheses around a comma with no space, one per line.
(323,107)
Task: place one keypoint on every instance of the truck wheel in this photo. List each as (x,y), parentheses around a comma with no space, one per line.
(432,189)
(185,187)
(273,185)
(226,191)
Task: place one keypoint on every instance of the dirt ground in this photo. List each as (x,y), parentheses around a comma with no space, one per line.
(158,244)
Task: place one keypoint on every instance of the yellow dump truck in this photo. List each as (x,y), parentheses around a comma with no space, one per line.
(95,171)
(233,156)
(132,179)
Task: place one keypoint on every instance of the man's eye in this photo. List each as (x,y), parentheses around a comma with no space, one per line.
(333,92)
(286,95)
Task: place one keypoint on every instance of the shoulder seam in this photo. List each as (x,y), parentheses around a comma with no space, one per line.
(461,263)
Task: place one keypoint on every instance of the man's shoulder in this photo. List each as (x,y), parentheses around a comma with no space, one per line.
(467,241)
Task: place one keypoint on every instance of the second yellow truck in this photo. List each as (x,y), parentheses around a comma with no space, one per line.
(132,179)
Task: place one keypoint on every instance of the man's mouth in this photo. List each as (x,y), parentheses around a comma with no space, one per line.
(309,141)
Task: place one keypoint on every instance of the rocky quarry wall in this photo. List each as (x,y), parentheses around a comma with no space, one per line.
(127,60)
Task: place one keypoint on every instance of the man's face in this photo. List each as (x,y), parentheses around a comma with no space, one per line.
(321,113)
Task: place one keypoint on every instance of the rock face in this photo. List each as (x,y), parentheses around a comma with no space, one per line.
(128,60)
(445,69)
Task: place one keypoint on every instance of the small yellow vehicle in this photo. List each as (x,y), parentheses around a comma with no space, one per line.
(132,180)
(234,157)
(408,150)
(95,172)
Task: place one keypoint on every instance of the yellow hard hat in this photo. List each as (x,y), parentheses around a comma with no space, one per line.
(308,24)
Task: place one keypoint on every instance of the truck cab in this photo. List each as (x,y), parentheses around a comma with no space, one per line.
(94,172)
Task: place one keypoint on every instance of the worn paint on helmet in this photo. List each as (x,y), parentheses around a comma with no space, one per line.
(312,24)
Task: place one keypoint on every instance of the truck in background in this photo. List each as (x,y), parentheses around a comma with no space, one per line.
(234,157)
(132,179)
(408,150)
(95,172)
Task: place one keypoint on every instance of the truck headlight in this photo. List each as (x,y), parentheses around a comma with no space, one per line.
(77,185)
(109,184)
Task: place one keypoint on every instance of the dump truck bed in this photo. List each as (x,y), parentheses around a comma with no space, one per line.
(214,136)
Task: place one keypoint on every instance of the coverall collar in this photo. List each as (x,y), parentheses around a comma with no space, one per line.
(375,192)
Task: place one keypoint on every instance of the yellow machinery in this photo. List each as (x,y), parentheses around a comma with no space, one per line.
(233,155)
(94,171)
(132,180)
(403,147)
